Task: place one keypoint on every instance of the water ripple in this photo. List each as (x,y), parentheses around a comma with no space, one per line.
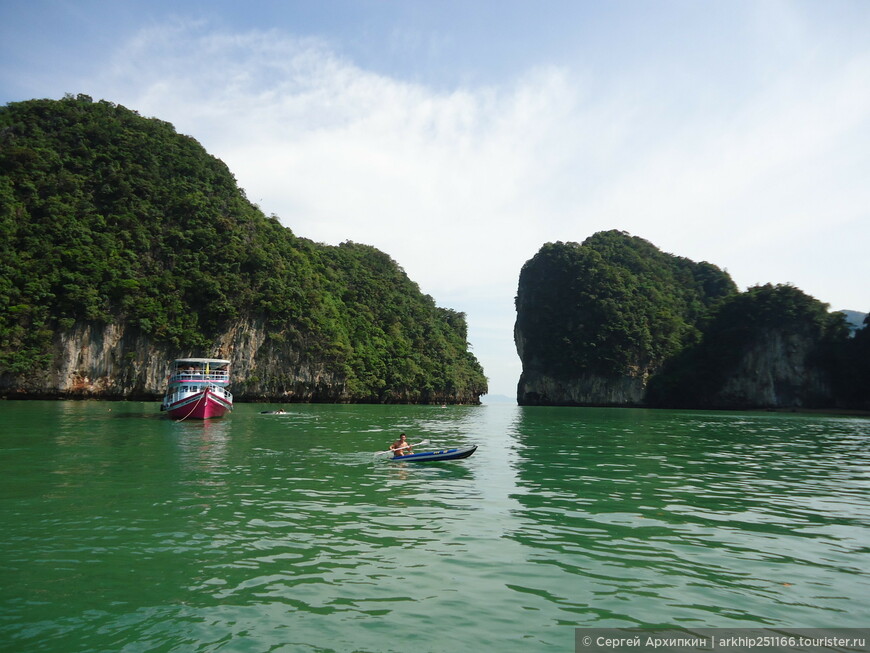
(285,534)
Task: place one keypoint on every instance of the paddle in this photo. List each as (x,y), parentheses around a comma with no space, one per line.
(417,444)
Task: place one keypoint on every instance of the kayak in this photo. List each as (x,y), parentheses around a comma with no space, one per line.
(433,456)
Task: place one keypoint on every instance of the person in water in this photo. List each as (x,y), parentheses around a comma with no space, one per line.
(401,447)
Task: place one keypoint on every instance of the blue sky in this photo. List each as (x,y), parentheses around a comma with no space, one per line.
(459,137)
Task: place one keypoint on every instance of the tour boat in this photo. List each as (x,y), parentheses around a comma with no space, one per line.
(198,389)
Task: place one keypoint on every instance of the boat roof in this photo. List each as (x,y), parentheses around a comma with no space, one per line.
(219,361)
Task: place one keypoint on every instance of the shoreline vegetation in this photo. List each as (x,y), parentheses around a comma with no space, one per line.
(125,245)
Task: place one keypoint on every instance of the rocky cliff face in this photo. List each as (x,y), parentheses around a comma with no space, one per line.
(775,372)
(537,389)
(116,362)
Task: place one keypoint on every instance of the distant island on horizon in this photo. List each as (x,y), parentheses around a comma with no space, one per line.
(497,399)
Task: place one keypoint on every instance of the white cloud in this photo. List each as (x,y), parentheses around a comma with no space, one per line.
(301,128)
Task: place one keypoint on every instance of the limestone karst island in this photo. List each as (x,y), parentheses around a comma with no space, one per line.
(614,321)
(126,245)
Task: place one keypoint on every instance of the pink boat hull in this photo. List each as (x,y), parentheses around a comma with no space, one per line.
(202,405)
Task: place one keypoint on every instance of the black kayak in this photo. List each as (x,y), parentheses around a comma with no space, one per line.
(434,456)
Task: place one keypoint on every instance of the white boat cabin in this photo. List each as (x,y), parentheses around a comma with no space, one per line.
(214,370)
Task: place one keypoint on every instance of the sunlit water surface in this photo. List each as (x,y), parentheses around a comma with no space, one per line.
(125,531)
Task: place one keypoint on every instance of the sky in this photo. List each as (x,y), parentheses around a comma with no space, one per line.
(459,137)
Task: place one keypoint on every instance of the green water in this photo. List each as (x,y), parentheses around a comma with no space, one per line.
(125,531)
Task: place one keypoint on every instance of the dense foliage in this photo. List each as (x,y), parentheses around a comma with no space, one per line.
(106,216)
(695,376)
(613,305)
(395,341)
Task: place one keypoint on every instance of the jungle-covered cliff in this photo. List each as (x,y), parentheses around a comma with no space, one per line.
(596,320)
(124,244)
(615,321)
(769,347)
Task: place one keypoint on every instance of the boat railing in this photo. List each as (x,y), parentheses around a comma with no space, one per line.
(218,389)
(219,376)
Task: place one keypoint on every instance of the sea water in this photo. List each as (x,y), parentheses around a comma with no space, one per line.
(123,530)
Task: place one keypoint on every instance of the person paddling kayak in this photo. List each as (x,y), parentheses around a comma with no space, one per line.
(401,447)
